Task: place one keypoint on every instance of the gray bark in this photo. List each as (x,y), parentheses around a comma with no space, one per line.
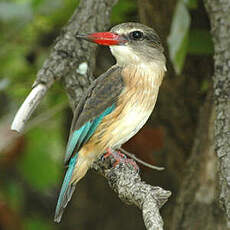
(206,182)
(196,203)
(68,53)
(219,12)
(65,62)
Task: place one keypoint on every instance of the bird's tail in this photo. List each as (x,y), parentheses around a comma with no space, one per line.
(67,190)
(78,167)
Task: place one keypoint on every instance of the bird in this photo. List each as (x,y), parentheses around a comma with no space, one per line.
(117,103)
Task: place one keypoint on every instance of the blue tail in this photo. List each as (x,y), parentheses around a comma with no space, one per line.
(67,190)
(77,139)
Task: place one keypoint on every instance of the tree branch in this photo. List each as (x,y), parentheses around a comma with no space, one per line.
(74,61)
(28,106)
(131,155)
(125,180)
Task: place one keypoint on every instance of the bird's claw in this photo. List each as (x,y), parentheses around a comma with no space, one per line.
(120,158)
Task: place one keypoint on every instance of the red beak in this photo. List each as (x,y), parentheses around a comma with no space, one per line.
(103,38)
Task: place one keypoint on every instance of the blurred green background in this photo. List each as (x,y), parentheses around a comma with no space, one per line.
(31,164)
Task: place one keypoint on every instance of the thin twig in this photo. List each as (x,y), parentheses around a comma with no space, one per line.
(140,161)
(28,106)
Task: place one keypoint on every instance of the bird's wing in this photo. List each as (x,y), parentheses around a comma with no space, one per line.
(99,101)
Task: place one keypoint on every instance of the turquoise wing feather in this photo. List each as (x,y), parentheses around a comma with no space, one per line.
(82,135)
(67,190)
(97,102)
(78,138)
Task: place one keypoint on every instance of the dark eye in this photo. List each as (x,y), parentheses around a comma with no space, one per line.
(136,35)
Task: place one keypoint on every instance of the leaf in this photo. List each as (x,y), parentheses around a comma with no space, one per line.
(15,11)
(178,37)
(191,4)
(200,42)
(121,11)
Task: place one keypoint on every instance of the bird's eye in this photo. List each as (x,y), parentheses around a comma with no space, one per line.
(136,35)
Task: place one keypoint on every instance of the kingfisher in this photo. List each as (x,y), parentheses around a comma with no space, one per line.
(117,104)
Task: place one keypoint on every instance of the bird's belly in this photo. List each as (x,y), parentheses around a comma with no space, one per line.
(126,127)
(130,114)
(118,127)
(132,110)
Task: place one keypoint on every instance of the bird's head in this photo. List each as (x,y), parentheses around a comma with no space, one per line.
(130,43)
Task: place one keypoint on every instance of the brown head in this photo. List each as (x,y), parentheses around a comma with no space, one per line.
(130,43)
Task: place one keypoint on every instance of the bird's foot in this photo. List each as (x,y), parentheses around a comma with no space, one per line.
(120,158)
(115,154)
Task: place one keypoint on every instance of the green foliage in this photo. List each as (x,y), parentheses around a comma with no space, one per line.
(40,168)
(191,4)
(178,37)
(122,9)
(200,42)
(23,27)
(183,40)
(27,30)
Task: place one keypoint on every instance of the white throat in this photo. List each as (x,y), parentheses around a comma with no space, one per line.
(124,55)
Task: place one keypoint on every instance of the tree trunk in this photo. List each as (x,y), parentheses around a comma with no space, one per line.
(219,12)
(196,203)
(199,202)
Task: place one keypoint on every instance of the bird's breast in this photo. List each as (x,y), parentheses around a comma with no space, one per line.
(133,107)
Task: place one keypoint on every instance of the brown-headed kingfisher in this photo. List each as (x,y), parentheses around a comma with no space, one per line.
(117,104)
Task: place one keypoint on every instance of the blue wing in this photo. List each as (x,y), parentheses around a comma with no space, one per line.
(97,103)
(67,190)
(77,139)
(82,135)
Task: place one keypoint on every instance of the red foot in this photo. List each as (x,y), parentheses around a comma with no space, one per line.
(133,163)
(120,158)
